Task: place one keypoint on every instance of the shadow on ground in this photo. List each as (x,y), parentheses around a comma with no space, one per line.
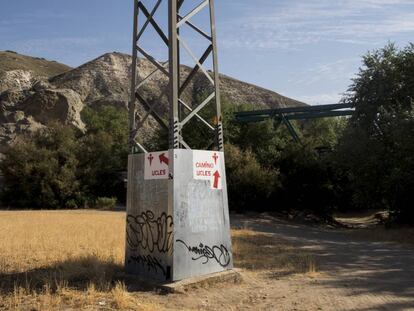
(78,274)
(380,271)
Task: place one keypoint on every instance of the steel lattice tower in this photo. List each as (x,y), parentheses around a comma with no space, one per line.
(180,112)
(178,222)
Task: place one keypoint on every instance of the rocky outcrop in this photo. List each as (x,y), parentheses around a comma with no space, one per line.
(105,77)
(30,103)
(14,124)
(16,80)
(51,105)
(10,98)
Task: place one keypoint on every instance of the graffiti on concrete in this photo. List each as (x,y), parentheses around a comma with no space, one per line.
(149,232)
(220,254)
(150,262)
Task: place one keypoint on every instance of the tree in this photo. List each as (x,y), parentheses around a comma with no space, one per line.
(323,133)
(103,152)
(60,167)
(377,146)
(383,91)
(40,171)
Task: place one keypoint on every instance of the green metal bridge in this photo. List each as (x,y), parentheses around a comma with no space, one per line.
(285,115)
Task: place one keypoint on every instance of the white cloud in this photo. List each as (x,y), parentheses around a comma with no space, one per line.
(333,72)
(295,23)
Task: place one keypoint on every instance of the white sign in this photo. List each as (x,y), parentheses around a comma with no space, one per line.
(156,165)
(207,166)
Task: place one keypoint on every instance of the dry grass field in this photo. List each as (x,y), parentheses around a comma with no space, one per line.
(58,260)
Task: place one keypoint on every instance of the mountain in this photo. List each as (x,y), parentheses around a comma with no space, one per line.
(32,96)
(40,67)
(108,77)
(20,71)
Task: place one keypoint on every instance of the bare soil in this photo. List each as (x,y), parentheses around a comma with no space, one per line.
(353,273)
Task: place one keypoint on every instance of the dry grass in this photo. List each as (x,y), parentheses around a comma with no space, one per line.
(74,259)
(263,252)
(49,259)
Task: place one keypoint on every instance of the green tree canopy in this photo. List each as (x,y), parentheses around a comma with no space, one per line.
(40,171)
(378,144)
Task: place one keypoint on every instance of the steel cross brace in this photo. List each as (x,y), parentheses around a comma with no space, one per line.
(178,117)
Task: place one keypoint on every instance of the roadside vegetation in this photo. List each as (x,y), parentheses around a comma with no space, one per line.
(367,163)
(60,167)
(342,164)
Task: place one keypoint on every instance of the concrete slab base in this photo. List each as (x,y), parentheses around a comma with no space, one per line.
(229,276)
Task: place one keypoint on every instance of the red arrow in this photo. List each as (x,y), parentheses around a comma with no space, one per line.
(216,179)
(164,159)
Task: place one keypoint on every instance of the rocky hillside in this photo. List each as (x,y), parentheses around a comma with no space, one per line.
(107,78)
(31,97)
(39,67)
(19,72)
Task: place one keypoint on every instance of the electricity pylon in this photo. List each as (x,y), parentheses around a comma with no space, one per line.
(178,222)
(180,112)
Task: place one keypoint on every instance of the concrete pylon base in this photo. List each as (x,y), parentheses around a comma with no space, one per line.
(177,215)
(228,276)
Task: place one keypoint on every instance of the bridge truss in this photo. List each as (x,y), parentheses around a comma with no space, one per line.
(285,115)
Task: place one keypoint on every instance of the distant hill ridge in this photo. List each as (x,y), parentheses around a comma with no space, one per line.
(35,92)
(10,60)
(113,69)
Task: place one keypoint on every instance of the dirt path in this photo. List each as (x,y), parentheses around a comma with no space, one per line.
(353,274)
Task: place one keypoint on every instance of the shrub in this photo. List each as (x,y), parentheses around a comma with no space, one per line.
(105,203)
(306,180)
(250,186)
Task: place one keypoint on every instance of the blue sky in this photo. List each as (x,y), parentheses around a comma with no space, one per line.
(306,49)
